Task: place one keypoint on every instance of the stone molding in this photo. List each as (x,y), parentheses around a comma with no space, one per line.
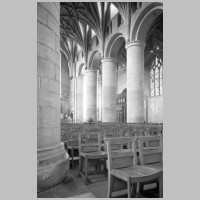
(135,43)
(58,146)
(90,70)
(109,60)
(80,77)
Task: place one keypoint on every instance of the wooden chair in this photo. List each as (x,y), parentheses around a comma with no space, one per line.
(114,147)
(122,166)
(90,150)
(154,131)
(150,149)
(70,140)
(73,147)
(151,155)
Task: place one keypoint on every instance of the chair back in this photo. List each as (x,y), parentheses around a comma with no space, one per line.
(89,142)
(121,157)
(114,146)
(150,149)
(73,137)
(112,132)
(154,131)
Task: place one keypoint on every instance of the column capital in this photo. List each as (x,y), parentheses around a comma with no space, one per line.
(109,60)
(80,77)
(135,43)
(90,70)
(100,78)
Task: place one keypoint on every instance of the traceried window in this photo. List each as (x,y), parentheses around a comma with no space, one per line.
(156,77)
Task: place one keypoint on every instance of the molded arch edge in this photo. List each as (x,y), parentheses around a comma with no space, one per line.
(111,42)
(143,19)
(91,58)
(69,64)
(80,68)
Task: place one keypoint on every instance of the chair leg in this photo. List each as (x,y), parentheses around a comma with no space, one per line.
(80,165)
(104,166)
(72,154)
(98,166)
(134,190)
(110,185)
(86,172)
(129,187)
(161,186)
(141,188)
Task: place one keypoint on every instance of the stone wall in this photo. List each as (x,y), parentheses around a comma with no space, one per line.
(155,109)
(122,77)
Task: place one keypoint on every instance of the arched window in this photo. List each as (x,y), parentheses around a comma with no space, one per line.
(156,77)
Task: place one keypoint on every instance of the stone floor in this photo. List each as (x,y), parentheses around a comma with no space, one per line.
(74,187)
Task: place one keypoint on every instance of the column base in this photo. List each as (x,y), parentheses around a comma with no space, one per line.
(51,170)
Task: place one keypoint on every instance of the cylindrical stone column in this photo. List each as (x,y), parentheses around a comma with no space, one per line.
(135,82)
(71,95)
(72,92)
(65,86)
(75,103)
(109,85)
(100,97)
(91,94)
(79,99)
(52,162)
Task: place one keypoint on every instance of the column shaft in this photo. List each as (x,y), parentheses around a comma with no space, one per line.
(72,91)
(52,163)
(100,97)
(65,86)
(135,82)
(109,85)
(79,99)
(91,94)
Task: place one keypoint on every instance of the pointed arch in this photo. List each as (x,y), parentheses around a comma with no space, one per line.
(143,19)
(69,64)
(94,59)
(80,69)
(112,44)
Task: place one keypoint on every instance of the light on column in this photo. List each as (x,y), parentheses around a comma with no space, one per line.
(60,74)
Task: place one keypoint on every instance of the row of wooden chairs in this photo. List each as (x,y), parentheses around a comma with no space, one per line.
(121,129)
(122,160)
(91,151)
(71,140)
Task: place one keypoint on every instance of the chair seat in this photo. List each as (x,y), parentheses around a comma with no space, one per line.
(158,166)
(136,173)
(95,155)
(73,147)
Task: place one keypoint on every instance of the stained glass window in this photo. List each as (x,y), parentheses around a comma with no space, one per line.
(156,77)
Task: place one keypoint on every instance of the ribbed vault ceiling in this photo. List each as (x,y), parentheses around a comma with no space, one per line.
(78,19)
(94,14)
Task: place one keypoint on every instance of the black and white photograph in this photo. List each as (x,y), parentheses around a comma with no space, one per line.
(100,99)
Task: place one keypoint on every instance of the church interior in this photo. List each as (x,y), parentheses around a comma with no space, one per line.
(100,99)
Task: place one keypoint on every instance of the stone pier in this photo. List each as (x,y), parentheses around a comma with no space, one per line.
(52,160)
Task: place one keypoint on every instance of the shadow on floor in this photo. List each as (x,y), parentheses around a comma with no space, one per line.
(74,187)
